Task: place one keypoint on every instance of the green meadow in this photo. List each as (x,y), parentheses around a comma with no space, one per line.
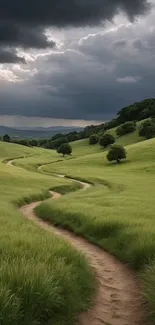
(117,213)
(81,147)
(41,275)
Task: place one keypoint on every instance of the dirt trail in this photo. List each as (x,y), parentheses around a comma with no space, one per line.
(9,163)
(118,300)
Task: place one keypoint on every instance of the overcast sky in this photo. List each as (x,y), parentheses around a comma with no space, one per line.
(65,62)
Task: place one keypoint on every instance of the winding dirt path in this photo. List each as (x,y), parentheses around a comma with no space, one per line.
(118,300)
(9,163)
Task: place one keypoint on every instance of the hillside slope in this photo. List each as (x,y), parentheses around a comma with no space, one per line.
(118,212)
(82,147)
(41,275)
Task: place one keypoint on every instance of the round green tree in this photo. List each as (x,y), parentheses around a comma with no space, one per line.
(106,140)
(6,138)
(126,128)
(93,139)
(59,141)
(65,149)
(147,129)
(116,152)
(33,142)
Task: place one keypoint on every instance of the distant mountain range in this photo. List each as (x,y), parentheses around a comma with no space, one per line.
(38,132)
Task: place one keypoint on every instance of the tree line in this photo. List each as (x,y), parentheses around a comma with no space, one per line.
(125,122)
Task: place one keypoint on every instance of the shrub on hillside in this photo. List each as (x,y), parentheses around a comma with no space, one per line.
(111,124)
(65,149)
(33,143)
(106,140)
(147,129)
(57,136)
(22,142)
(73,136)
(100,133)
(93,139)
(49,145)
(6,138)
(42,142)
(57,143)
(126,128)
(116,152)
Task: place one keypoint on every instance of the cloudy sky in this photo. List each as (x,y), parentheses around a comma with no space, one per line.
(71,62)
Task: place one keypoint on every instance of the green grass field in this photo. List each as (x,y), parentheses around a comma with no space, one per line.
(118,212)
(82,147)
(41,276)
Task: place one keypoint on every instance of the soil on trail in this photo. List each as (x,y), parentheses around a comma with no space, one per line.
(9,163)
(118,300)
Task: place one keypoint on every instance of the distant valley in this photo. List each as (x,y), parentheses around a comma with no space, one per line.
(38,132)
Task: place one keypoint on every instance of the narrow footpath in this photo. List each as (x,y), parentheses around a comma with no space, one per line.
(119,300)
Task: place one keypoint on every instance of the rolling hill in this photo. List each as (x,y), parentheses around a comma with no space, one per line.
(116,214)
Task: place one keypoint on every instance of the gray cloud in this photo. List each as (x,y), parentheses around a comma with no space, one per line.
(8,55)
(25,25)
(23,36)
(64,13)
(120,43)
(90,79)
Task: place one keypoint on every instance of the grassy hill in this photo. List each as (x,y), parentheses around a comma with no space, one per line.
(82,147)
(117,214)
(41,275)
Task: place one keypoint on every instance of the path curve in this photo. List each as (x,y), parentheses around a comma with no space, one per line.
(118,300)
(9,163)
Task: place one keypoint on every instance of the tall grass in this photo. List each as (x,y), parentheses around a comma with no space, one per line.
(43,280)
(118,213)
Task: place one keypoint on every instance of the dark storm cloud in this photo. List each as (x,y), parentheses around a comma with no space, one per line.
(23,36)
(85,85)
(67,12)
(92,78)
(10,56)
(23,24)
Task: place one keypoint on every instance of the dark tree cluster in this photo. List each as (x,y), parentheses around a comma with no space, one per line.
(147,129)
(23,142)
(55,144)
(6,138)
(138,111)
(93,139)
(26,142)
(106,140)
(126,128)
(135,112)
(125,122)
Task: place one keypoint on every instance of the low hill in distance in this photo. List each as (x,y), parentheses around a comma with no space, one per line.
(39,132)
